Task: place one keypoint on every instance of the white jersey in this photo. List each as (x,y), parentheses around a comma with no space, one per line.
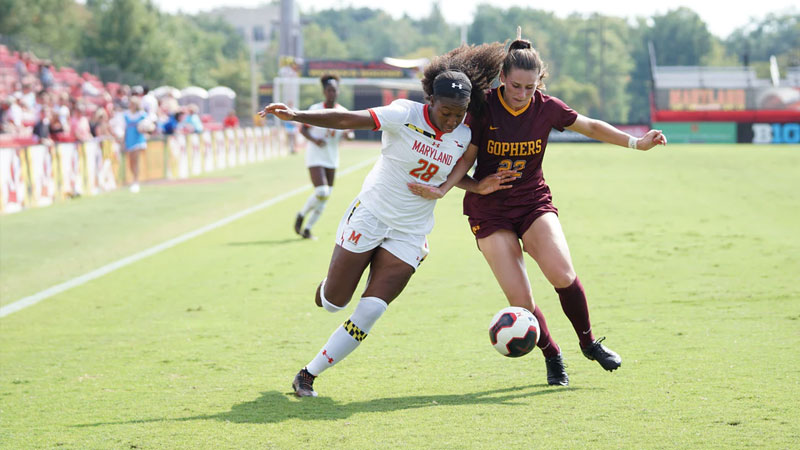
(413,150)
(328,155)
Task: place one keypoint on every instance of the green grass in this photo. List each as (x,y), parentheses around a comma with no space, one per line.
(689,255)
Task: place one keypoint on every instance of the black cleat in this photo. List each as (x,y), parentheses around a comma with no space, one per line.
(603,355)
(303,384)
(298,223)
(556,372)
(307,235)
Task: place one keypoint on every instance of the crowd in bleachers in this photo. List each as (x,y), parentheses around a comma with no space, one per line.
(40,103)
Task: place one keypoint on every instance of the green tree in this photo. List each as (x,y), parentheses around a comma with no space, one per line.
(680,37)
(49,28)
(126,33)
(323,43)
(776,34)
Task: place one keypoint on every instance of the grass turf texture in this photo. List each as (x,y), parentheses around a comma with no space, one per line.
(689,255)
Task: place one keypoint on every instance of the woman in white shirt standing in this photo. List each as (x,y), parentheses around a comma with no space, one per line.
(322,158)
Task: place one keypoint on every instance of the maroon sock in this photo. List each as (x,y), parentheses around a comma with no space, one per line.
(546,343)
(573,302)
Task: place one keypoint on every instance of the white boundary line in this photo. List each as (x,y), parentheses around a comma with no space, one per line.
(108,268)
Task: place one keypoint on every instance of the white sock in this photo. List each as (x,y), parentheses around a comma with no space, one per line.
(313,217)
(311,203)
(347,337)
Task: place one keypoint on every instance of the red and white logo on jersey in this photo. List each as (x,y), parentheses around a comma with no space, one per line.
(354,237)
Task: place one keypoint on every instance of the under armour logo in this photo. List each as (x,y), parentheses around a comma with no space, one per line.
(325,354)
(459,85)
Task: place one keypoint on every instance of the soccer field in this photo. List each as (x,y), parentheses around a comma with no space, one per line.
(689,255)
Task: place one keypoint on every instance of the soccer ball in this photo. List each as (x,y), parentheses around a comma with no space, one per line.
(514,331)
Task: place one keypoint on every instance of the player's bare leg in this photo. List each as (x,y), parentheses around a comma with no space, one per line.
(547,245)
(344,273)
(504,255)
(388,276)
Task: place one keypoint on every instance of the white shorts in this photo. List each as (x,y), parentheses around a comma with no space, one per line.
(360,231)
(327,157)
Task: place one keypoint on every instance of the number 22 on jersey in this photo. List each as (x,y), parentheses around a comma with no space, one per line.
(506,164)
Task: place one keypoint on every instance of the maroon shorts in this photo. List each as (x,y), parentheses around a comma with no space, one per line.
(483,227)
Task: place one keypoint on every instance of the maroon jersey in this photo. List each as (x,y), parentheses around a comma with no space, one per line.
(509,139)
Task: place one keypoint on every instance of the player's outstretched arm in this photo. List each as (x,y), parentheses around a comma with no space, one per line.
(458,177)
(602,131)
(325,118)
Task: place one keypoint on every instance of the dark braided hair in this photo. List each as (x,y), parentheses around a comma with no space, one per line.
(522,55)
(480,63)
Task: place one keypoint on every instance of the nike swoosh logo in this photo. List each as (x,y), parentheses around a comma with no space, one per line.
(493,128)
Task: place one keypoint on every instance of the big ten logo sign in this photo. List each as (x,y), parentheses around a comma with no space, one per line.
(776,133)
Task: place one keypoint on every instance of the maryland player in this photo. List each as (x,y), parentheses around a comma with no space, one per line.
(322,158)
(512,134)
(385,227)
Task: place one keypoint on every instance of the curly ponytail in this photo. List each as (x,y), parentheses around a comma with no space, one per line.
(481,65)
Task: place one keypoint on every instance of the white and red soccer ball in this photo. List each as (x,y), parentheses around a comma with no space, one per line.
(514,331)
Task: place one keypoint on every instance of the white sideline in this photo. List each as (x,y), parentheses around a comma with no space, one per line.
(108,268)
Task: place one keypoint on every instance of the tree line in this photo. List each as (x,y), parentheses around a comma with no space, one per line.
(598,64)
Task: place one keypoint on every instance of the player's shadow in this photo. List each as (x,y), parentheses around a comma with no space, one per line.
(273,406)
(265,242)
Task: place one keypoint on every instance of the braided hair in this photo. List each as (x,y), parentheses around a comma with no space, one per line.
(480,64)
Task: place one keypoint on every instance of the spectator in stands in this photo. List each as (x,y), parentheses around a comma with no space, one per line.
(121,96)
(46,75)
(172,123)
(169,104)
(98,125)
(231,121)
(79,122)
(116,124)
(43,126)
(11,116)
(27,96)
(191,122)
(21,67)
(62,109)
(149,104)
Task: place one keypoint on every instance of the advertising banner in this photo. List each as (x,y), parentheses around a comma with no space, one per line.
(178,157)
(355,69)
(250,143)
(241,142)
(195,154)
(768,133)
(70,162)
(207,145)
(13,180)
(42,161)
(698,132)
(223,143)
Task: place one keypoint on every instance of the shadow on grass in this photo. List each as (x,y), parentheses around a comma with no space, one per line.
(271,242)
(273,406)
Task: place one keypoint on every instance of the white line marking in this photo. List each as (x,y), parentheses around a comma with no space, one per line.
(108,268)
